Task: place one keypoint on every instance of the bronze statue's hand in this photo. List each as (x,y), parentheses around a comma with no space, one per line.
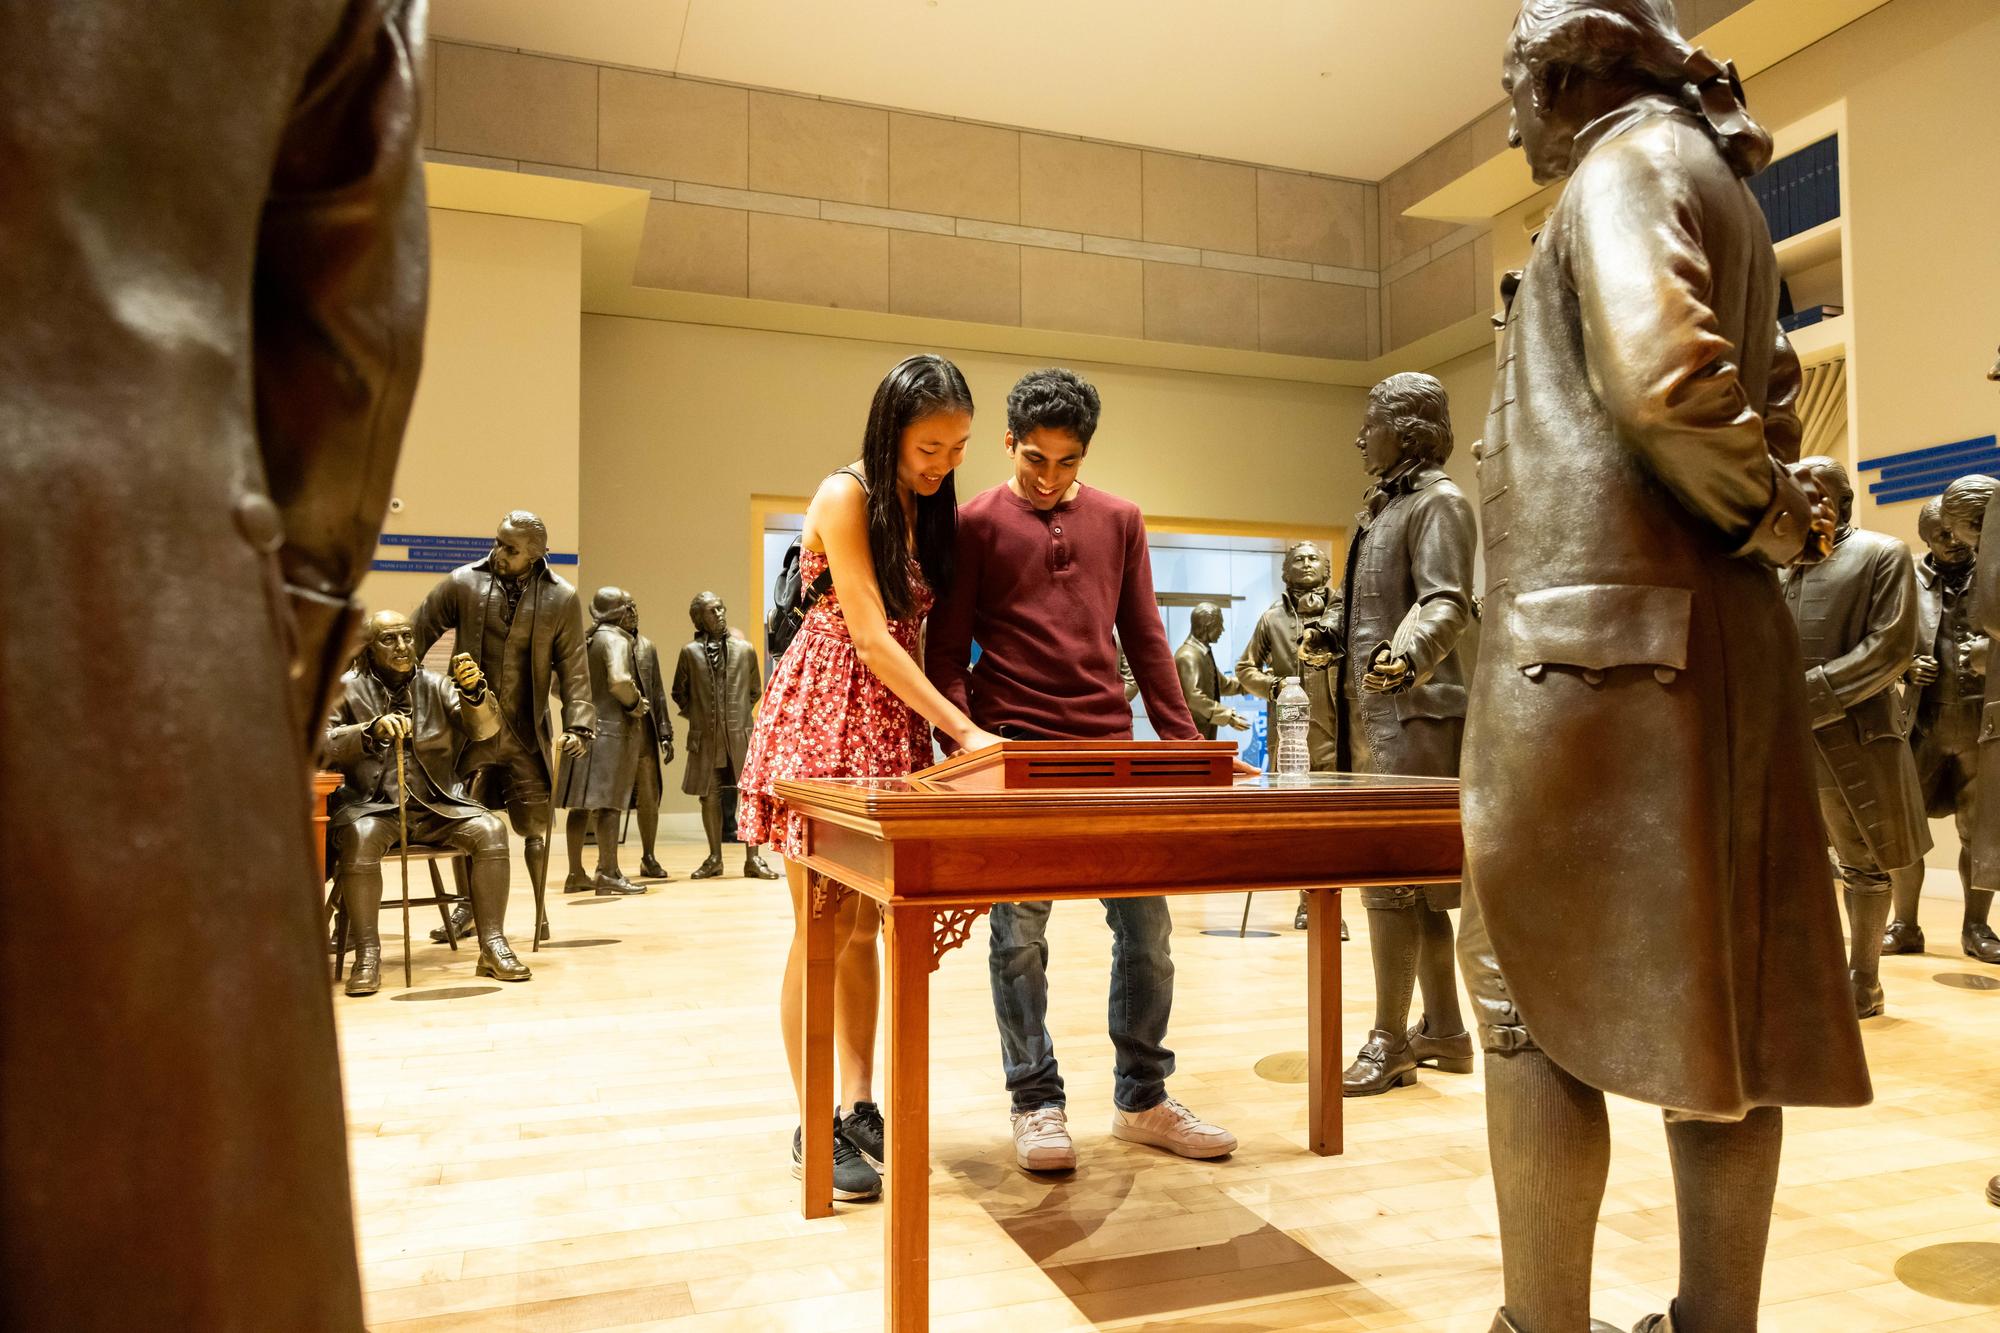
(1975,652)
(666,752)
(465,673)
(1388,675)
(572,745)
(1923,671)
(1234,719)
(1819,533)
(641,708)
(389,728)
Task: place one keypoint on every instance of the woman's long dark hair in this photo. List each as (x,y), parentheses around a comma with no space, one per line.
(916,388)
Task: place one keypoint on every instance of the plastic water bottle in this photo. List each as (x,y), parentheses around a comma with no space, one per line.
(1294,762)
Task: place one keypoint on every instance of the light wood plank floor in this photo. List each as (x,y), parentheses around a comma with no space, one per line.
(606,1147)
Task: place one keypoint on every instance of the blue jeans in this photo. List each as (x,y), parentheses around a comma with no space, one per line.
(1142,998)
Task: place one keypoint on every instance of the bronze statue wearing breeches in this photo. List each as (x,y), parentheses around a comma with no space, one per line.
(1646,913)
(716,687)
(1950,679)
(1406,598)
(520,621)
(597,788)
(1857,614)
(387,701)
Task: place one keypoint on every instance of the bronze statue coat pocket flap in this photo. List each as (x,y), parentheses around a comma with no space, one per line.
(1595,627)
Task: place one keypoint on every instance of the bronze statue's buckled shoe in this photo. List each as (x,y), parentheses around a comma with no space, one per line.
(708,869)
(1902,937)
(579,881)
(497,960)
(1980,943)
(609,886)
(1383,1062)
(1868,999)
(1503,1324)
(365,977)
(461,925)
(755,867)
(651,869)
(1447,1055)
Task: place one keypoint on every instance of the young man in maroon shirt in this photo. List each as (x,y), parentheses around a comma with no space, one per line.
(1047,569)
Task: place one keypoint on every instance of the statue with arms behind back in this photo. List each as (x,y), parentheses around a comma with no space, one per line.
(1646,912)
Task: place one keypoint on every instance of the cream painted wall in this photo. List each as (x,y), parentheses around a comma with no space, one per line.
(683,423)
(494,426)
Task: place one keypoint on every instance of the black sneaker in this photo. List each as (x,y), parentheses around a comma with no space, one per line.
(853,1178)
(862,1127)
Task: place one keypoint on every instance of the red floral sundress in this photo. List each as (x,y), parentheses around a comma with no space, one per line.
(827,716)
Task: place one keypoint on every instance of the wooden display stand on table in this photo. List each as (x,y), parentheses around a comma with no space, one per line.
(1049,820)
(324,785)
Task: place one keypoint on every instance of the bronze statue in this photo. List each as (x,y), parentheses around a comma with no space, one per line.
(1988,616)
(389,701)
(1857,617)
(656,750)
(1407,598)
(716,687)
(215,308)
(518,619)
(597,787)
(1644,915)
(1272,654)
(1943,702)
(1202,684)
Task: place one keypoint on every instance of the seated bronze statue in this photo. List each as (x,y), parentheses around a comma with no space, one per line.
(387,701)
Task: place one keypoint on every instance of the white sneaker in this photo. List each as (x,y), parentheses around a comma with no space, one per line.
(1175,1128)
(1041,1140)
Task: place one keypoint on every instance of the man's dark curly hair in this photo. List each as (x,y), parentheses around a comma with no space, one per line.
(1054,399)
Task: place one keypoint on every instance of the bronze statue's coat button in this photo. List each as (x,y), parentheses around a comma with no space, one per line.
(257,519)
(1594,676)
(1665,675)
(1534,670)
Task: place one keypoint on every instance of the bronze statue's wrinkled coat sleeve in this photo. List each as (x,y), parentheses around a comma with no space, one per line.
(619,675)
(1250,672)
(1877,661)
(1783,431)
(1662,367)
(1443,535)
(339,317)
(479,720)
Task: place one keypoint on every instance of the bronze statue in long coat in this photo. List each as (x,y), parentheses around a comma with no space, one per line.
(1272,653)
(1401,690)
(1202,683)
(1858,613)
(1648,911)
(520,621)
(212,267)
(597,787)
(716,687)
(1949,681)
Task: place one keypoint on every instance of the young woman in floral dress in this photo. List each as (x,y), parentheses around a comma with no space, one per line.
(849,698)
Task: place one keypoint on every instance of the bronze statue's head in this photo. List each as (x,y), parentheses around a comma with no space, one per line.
(614,605)
(1570,61)
(1833,482)
(389,642)
(1946,549)
(522,540)
(1305,567)
(1408,416)
(1964,509)
(1206,622)
(710,616)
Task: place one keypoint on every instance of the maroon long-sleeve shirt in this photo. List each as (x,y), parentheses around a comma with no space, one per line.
(1041,594)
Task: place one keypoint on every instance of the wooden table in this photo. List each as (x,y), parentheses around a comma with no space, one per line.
(1029,821)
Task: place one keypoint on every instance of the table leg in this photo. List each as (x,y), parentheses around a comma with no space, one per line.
(816,1098)
(908,937)
(1323,1048)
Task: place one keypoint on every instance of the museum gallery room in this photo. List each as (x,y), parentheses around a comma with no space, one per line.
(958,664)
